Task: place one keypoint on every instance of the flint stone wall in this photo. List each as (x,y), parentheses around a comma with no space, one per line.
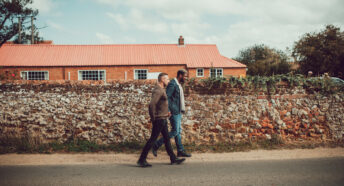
(118,112)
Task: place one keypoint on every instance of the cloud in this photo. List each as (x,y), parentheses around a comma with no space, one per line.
(279,24)
(181,15)
(104,39)
(44,6)
(113,3)
(231,24)
(55,25)
(119,19)
(174,8)
(193,29)
(129,39)
(136,19)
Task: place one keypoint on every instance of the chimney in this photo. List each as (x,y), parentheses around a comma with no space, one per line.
(181,41)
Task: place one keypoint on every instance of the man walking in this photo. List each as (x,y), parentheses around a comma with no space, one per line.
(176,105)
(158,112)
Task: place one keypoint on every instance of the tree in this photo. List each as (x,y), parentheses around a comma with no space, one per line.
(26,37)
(10,12)
(262,60)
(321,52)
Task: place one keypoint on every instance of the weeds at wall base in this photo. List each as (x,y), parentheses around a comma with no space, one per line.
(30,145)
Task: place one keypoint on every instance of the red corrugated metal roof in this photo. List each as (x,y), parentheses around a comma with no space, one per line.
(192,55)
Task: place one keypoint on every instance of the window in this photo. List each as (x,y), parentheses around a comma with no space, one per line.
(153,75)
(34,75)
(200,72)
(92,75)
(216,72)
(140,74)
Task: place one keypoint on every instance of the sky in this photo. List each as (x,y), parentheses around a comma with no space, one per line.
(232,25)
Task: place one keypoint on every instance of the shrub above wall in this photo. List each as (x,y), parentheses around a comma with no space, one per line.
(277,84)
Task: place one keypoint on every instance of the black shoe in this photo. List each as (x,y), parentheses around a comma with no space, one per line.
(177,161)
(143,164)
(154,151)
(183,154)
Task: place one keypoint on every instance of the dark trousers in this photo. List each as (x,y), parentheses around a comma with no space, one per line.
(159,125)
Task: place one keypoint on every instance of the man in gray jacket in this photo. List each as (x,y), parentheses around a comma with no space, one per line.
(158,112)
(176,105)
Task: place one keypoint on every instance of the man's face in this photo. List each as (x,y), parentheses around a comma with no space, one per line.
(165,80)
(183,78)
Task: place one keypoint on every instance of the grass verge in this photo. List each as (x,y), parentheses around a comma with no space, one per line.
(33,145)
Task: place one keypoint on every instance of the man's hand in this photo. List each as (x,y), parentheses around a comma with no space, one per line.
(169,114)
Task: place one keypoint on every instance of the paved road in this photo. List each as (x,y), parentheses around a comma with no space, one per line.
(323,171)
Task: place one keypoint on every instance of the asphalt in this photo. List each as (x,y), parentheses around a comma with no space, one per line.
(316,171)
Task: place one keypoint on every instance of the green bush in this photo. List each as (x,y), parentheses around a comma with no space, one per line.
(268,84)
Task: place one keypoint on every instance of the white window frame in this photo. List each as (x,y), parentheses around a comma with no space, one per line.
(216,69)
(27,74)
(197,72)
(153,75)
(80,75)
(137,78)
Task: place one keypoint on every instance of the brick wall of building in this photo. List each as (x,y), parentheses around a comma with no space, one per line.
(112,73)
(118,72)
(226,72)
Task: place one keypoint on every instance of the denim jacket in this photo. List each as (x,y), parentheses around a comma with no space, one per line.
(173,94)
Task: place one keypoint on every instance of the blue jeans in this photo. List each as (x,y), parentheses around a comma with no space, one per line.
(175,133)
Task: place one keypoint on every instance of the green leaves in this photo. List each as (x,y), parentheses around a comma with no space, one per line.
(268,84)
(10,11)
(321,52)
(264,61)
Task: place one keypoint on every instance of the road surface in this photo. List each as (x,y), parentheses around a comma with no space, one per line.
(309,171)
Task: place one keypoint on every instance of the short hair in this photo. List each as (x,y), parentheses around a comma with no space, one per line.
(161,75)
(181,72)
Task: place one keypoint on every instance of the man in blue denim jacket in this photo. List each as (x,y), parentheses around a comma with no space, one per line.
(176,105)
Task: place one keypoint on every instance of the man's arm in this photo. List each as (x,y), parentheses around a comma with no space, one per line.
(156,95)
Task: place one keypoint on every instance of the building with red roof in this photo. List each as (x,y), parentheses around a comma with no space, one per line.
(47,61)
